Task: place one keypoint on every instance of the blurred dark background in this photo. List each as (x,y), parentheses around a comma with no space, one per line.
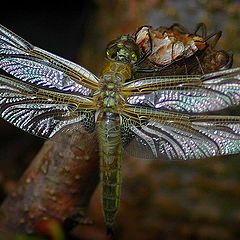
(177,200)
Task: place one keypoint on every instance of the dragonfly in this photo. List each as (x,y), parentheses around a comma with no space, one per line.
(153,118)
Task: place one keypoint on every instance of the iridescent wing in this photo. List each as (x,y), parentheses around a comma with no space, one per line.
(43,112)
(34,65)
(191,94)
(160,120)
(50,92)
(152,134)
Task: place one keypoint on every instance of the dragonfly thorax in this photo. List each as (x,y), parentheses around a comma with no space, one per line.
(111,81)
(110,94)
(111,100)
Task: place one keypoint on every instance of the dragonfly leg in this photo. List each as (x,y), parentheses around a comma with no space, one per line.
(178,27)
(201,27)
(146,54)
(215,36)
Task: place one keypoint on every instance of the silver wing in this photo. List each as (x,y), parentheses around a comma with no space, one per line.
(41,112)
(36,66)
(167,135)
(50,93)
(191,94)
(160,120)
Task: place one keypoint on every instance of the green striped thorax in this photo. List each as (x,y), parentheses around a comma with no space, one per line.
(111,82)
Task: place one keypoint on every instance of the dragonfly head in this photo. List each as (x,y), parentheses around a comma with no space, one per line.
(123,49)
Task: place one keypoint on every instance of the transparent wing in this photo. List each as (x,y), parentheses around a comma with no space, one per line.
(190,94)
(153,134)
(34,65)
(43,112)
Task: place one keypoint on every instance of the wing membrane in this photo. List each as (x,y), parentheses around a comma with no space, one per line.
(34,65)
(166,135)
(42,112)
(192,94)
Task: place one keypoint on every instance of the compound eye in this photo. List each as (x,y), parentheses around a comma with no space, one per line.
(134,57)
(108,53)
(120,45)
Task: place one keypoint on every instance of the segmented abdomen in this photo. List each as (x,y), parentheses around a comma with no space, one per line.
(109,137)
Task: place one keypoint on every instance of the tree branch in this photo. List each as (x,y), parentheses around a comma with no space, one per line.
(58,184)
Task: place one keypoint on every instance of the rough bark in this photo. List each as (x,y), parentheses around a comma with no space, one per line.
(57,185)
